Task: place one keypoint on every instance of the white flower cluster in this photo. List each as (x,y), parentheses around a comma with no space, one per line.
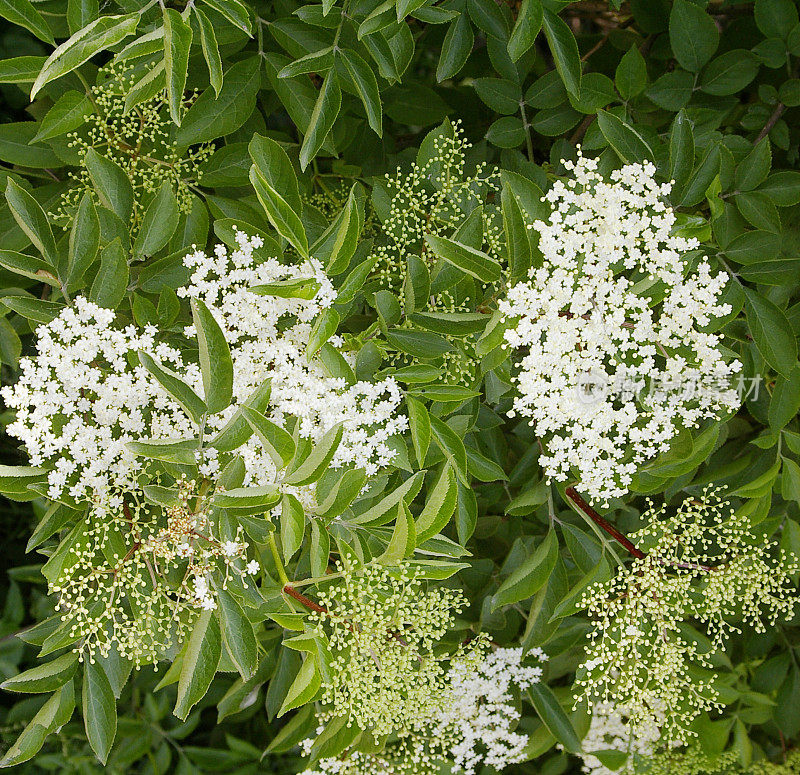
(614,360)
(609,731)
(267,335)
(479,713)
(470,723)
(79,401)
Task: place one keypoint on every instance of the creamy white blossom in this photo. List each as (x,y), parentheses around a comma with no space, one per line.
(614,361)
(268,335)
(609,731)
(79,401)
(470,722)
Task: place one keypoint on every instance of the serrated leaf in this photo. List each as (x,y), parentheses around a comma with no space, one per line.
(216,365)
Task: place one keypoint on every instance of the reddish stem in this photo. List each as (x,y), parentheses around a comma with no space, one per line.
(303,600)
(572,494)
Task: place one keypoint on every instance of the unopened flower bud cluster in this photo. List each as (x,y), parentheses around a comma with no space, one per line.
(615,309)
(391,677)
(703,567)
(433,197)
(137,140)
(127,583)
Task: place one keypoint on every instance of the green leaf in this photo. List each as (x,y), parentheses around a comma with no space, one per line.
(553,717)
(36,310)
(630,146)
(439,507)
(324,114)
(323,329)
(23,13)
(367,88)
(526,28)
(181,451)
(274,166)
(681,152)
(234,11)
(304,687)
(22,69)
(403,540)
(177,42)
(191,403)
(297,288)
(56,712)
(531,575)
(248,497)
(80,13)
(420,424)
(376,515)
(32,220)
(319,61)
(46,677)
(693,35)
(101,34)
(775,18)
(278,443)
(452,447)
(420,344)
(338,243)
(473,262)
(237,634)
(729,73)
(158,223)
(506,132)
(28,266)
(311,468)
(112,184)
(237,430)
(216,365)
(208,42)
(785,402)
(456,48)
(771,332)
(111,282)
(84,240)
(281,215)
(200,659)
(755,167)
(216,114)
(631,74)
(99,709)
(565,51)
(68,113)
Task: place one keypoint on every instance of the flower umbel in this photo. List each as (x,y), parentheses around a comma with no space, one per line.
(702,565)
(614,359)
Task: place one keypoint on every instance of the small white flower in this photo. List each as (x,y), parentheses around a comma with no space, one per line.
(252,567)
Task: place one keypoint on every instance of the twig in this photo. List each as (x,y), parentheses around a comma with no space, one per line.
(573,495)
(773,119)
(303,600)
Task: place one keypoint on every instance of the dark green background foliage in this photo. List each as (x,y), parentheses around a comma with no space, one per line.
(709,92)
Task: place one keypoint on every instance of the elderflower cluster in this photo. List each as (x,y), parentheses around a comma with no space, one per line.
(268,335)
(478,714)
(693,761)
(121,580)
(434,197)
(703,565)
(79,401)
(383,629)
(471,723)
(138,140)
(614,361)
(609,731)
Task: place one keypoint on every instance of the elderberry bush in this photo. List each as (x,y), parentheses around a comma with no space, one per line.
(400,388)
